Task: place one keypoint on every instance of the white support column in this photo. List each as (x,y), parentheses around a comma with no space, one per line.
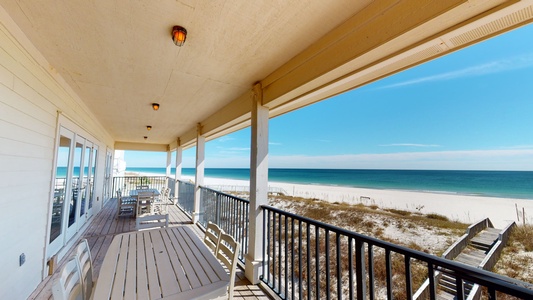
(199,178)
(258,184)
(179,160)
(169,162)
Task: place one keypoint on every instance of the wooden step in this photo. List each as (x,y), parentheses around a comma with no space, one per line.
(481,245)
(445,296)
(447,289)
(467,259)
(487,237)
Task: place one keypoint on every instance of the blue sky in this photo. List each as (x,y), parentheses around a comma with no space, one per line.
(469,110)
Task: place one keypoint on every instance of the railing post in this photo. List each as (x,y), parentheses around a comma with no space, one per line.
(258,184)
(217,209)
(360,269)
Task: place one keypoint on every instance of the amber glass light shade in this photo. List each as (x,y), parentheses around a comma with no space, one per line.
(179,34)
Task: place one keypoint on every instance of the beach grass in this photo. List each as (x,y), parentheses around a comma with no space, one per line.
(373,221)
(355,214)
(516,260)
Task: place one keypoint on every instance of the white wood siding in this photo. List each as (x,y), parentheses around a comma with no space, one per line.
(31,95)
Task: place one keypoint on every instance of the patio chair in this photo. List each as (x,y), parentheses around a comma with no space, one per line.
(228,253)
(212,236)
(69,284)
(147,216)
(126,206)
(151,221)
(83,254)
(144,202)
(161,202)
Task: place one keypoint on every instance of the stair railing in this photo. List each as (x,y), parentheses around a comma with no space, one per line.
(452,252)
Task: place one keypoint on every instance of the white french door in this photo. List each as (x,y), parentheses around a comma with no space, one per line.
(74,186)
(91,181)
(76,182)
(62,190)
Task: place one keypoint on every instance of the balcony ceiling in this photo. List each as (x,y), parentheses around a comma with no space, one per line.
(118,56)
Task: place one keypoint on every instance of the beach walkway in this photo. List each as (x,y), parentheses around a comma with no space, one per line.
(478,250)
(105,226)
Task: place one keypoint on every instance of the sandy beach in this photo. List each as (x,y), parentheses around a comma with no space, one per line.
(463,208)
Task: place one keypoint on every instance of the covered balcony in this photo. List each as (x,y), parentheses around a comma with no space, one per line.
(81,79)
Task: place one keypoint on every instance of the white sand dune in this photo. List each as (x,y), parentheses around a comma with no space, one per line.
(464,208)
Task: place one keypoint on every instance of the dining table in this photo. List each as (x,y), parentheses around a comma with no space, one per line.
(167,263)
(135,193)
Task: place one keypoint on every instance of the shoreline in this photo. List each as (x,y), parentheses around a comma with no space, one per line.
(489,183)
(457,207)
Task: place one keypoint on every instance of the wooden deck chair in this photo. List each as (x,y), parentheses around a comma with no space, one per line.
(83,254)
(228,253)
(126,206)
(151,221)
(68,285)
(160,203)
(212,236)
(144,202)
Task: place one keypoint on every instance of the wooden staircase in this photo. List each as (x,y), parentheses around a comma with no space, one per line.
(476,251)
(480,247)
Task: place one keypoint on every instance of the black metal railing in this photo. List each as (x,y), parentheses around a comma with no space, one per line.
(186,196)
(229,212)
(171,184)
(307,259)
(128,183)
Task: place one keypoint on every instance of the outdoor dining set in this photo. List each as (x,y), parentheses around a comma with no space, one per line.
(147,205)
(160,263)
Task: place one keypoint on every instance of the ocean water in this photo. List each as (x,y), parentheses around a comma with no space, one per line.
(507,184)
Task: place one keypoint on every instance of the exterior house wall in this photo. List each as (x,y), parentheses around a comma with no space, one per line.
(33,100)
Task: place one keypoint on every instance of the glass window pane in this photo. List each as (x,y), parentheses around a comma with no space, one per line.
(84,179)
(76,183)
(63,154)
(91,180)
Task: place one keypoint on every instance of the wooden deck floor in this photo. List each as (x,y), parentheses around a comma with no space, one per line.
(105,226)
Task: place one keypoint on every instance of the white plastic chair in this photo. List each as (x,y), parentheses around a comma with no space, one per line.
(83,253)
(212,236)
(227,253)
(68,285)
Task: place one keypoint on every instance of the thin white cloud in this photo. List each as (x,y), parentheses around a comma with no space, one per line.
(519,147)
(503,65)
(224,139)
(324,141)
(410,145)
(274,144)
(443,160)
(234,148)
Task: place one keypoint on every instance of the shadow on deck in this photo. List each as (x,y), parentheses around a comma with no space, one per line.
(105,226)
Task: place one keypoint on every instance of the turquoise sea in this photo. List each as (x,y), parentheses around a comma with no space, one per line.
(507,184)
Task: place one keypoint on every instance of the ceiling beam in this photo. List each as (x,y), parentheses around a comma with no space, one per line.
(141,147)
